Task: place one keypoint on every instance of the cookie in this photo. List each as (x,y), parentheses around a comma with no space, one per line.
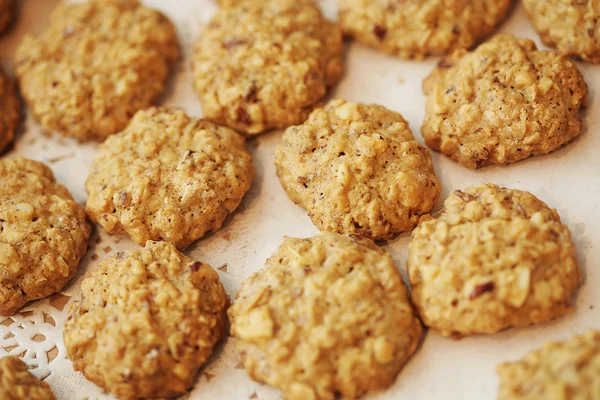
(415,29)
(357,169)
(327,318)
(502,103)
(559,370)
(10,111)
(7,14)
(95,66)
(495,258)
(266,63)
(168,177)
(43,233)
(17,383)
(146,321)
(571,26)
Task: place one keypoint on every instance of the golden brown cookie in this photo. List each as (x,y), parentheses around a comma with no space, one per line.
(168,177)
(418,28)
(357,169)
(266,63)
(95,66)
(43,233)
(495,258)
(558,371)
(502,103)
(328,317)
(10,111)
(17,383)
(146,321)
(572,26)
(7,14)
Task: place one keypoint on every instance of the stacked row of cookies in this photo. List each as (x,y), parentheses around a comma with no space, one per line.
(493,259)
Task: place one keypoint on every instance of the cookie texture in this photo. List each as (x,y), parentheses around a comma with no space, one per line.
(328,317)
(495,258)
(503,102)
(415,29)
(10,111)
(7,14)
(357,169)
(43,233)
(17,383)
(95,66)
(168,177)
(559,371)
(266,63)
(146,321)
(571,26)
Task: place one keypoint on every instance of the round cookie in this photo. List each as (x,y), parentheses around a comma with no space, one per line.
(415,29)
(495,258)
(146,321)
(168,177)
(17,383)
(266,63)
(43,233)
(570,26)
(502,103)
(7,14)
(10,111)
(328,317)
(357,169)
(95,66)
(560,370)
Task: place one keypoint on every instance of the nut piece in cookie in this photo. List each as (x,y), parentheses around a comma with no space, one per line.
(559,370)
(146,321)
(168,177)
(10,111)
(7,14)
(43,233)
(495,258)
(572,27)
(502,103)
(357,169)
(418,28)
(17,383)
(95,66)
(327,317)
(265,64)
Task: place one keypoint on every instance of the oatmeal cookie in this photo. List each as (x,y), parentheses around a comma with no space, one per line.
(7,14)
(502,103)
(168,177)
(17,383)
(418,28)
(572,26)
(495,258)
(95,66)
(357,169)
(559,371)
(43,233)
(266,63)
(10,111)
(146,321)
(328,317)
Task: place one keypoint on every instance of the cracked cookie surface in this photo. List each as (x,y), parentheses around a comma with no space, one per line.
(495,258)
(418,28)
(357,169)
(10,111)
(146,321)
(503,102)
(168,177)
(17,383)
(571,26)
(265,64)
(559,370)
(95,66)
(43,233)
(327,317)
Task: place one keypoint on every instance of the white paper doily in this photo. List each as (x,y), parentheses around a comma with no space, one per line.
(568,180)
